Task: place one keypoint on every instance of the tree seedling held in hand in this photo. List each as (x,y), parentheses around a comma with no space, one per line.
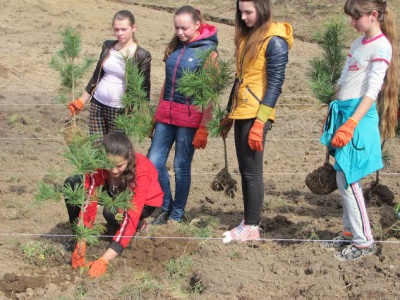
(223,181)
(65,61)
(325,72)
(136,121)
(85,155)
(205,87)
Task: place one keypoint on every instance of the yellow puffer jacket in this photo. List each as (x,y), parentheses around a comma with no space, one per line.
(252,75)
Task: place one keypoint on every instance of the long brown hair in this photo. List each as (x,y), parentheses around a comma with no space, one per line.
(254,35)
(388,98)
(174,43)
(118,144)
(126,14)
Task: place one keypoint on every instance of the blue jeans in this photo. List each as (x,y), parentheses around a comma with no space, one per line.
(164,137)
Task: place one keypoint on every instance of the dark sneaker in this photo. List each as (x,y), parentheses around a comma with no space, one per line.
(70,245)
(353,253)
(337,243)
(161,219)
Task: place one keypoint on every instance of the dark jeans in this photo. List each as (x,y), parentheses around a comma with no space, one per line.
(74,210)
(251,169)
(165,136)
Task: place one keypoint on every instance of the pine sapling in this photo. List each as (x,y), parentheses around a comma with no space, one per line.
(136,121)
(325,72)
(71,71)
(223,180)
(65,62)
(205,86)
(86,157)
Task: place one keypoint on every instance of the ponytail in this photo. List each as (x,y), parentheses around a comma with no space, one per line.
(388,102)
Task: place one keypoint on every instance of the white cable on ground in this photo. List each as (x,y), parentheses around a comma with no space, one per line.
(188,238)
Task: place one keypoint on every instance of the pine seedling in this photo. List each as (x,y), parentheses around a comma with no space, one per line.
(47,192)
(136,121)
(65,62)
(326,70)
(121,201)
(90,235)
(324,74)
(206,85)
(86,156)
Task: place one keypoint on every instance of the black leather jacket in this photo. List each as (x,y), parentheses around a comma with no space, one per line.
(142,58)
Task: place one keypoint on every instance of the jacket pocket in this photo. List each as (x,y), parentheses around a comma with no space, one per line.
(250,98)
(358,155)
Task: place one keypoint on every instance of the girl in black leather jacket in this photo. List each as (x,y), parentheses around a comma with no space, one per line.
(107,85)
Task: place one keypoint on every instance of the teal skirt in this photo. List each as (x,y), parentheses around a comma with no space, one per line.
(362,155)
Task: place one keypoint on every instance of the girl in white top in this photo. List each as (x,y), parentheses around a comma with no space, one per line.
(355,126)
(107,85)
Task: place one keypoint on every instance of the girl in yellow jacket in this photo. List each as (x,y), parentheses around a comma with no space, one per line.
(261,50)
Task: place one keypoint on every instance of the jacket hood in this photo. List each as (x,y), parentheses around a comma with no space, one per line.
(208,32)
(283,30)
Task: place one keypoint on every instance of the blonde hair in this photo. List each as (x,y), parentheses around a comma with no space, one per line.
(388,102)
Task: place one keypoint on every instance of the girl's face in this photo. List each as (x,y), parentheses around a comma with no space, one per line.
(120,165)
(185,27)
(367,24)
(249,13)
(123,30)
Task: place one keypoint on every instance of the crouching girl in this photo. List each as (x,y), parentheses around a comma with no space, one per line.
(131,171)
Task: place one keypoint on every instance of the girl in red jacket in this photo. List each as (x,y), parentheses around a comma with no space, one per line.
(131,171)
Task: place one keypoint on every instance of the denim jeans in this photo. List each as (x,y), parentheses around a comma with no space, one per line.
(164,137)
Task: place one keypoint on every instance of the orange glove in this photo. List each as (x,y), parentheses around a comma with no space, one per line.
(97,267)
(226,124)
(200,138)
(344,134)
(78,256)
(76,106)
(256,136)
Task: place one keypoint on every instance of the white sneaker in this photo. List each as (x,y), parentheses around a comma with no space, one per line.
(242,233)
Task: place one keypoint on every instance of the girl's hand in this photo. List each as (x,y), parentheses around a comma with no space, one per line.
(344,134)
(200,138)
(78,256)
(226,124)
(76,106)
(255,139)
(97,267)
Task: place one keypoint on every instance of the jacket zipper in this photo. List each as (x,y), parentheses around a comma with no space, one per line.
(173,81)
(188,107)
(251,92)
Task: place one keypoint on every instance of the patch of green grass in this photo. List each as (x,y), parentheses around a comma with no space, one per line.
(38,250)
(13,179)
(197,285)
(178,268)
(16,120)
(200,228)
(80,292)
(234,255)
(313,236)
(141,283)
